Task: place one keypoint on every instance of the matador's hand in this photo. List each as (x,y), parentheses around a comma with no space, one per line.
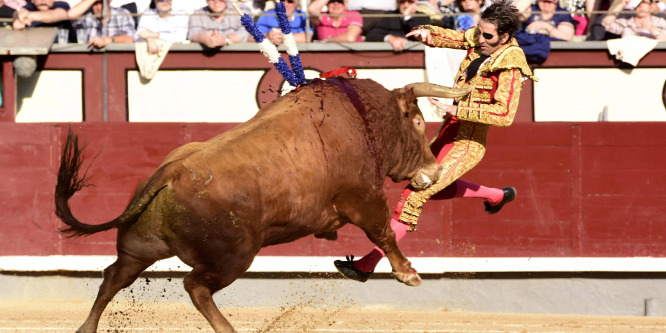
(421,34)
(446,109)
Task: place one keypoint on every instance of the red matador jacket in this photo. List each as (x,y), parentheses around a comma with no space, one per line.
(493,101)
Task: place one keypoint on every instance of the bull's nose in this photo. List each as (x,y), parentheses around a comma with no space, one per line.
(425,180)
(427,176)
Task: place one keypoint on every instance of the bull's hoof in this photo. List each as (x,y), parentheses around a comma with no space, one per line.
(411,279)
(333,235)
(347,269)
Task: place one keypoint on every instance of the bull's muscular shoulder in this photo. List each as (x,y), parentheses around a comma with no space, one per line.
(509,57)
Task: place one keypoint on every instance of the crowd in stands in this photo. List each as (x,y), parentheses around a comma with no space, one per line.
(214,23)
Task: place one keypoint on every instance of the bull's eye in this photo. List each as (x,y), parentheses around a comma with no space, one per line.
(405,114)
(419,123)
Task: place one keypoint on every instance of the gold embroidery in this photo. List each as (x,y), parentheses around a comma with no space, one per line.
(466,153)
(484,83)
(481,97)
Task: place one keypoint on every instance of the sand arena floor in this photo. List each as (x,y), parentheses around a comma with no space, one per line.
(58,316)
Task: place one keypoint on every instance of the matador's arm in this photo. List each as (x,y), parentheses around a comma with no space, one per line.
(448,38)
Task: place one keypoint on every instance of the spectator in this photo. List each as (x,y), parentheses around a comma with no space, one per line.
(134,6)
(433,8)
(372,8)
(131,7)
(159,22)
(596,29)
(472,13)
(15,4)
(643,23)
(6,15)
(188,6)
(338,24)
(216,25)
(118,23)
(393,29)
(575,7)
(552,21)
(269,26)
(43,13)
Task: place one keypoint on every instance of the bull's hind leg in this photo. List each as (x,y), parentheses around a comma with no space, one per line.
(119,275)
(202,282)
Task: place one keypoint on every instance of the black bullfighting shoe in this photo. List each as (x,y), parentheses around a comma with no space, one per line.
(347,269)
(509,195)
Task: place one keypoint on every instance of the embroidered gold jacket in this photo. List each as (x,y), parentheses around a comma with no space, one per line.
(499,80)
(493,101)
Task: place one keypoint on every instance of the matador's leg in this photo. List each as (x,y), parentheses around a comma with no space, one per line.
(463,156)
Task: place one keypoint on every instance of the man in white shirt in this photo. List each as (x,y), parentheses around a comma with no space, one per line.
(162,23)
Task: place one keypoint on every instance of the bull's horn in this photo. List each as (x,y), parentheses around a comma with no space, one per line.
(425,89)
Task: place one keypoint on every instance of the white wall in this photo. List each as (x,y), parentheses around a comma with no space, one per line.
(564,94)
(50,96)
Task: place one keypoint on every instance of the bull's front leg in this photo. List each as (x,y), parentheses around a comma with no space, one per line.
(401,267)
(373,217)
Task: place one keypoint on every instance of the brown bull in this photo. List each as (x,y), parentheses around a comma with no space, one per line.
(308,163)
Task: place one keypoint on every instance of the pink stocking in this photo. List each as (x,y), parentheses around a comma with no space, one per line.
(470,190)
(370,260)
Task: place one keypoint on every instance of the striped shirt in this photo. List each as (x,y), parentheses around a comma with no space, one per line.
(120,23)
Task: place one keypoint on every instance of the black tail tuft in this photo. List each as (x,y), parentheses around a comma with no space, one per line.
(70,182)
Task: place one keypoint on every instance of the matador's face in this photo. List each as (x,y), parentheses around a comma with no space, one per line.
(489,40)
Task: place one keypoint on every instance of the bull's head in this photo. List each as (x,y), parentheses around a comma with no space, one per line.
(422,170)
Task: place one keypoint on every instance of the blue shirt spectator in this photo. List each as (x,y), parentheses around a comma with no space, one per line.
(553,21)
(266,23)
(269,26)
(43,7)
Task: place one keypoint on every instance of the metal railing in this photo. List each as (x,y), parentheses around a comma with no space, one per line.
(388,14)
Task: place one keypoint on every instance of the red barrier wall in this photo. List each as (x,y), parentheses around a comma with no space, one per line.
(591,189)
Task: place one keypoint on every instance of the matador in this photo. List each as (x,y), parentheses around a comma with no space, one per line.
(496,69)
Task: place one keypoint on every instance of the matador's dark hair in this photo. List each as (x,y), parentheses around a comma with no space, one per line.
(504,15)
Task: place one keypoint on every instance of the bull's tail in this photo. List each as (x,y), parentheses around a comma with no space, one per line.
(70,182)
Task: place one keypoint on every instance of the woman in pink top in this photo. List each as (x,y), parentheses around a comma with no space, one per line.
(338,24)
